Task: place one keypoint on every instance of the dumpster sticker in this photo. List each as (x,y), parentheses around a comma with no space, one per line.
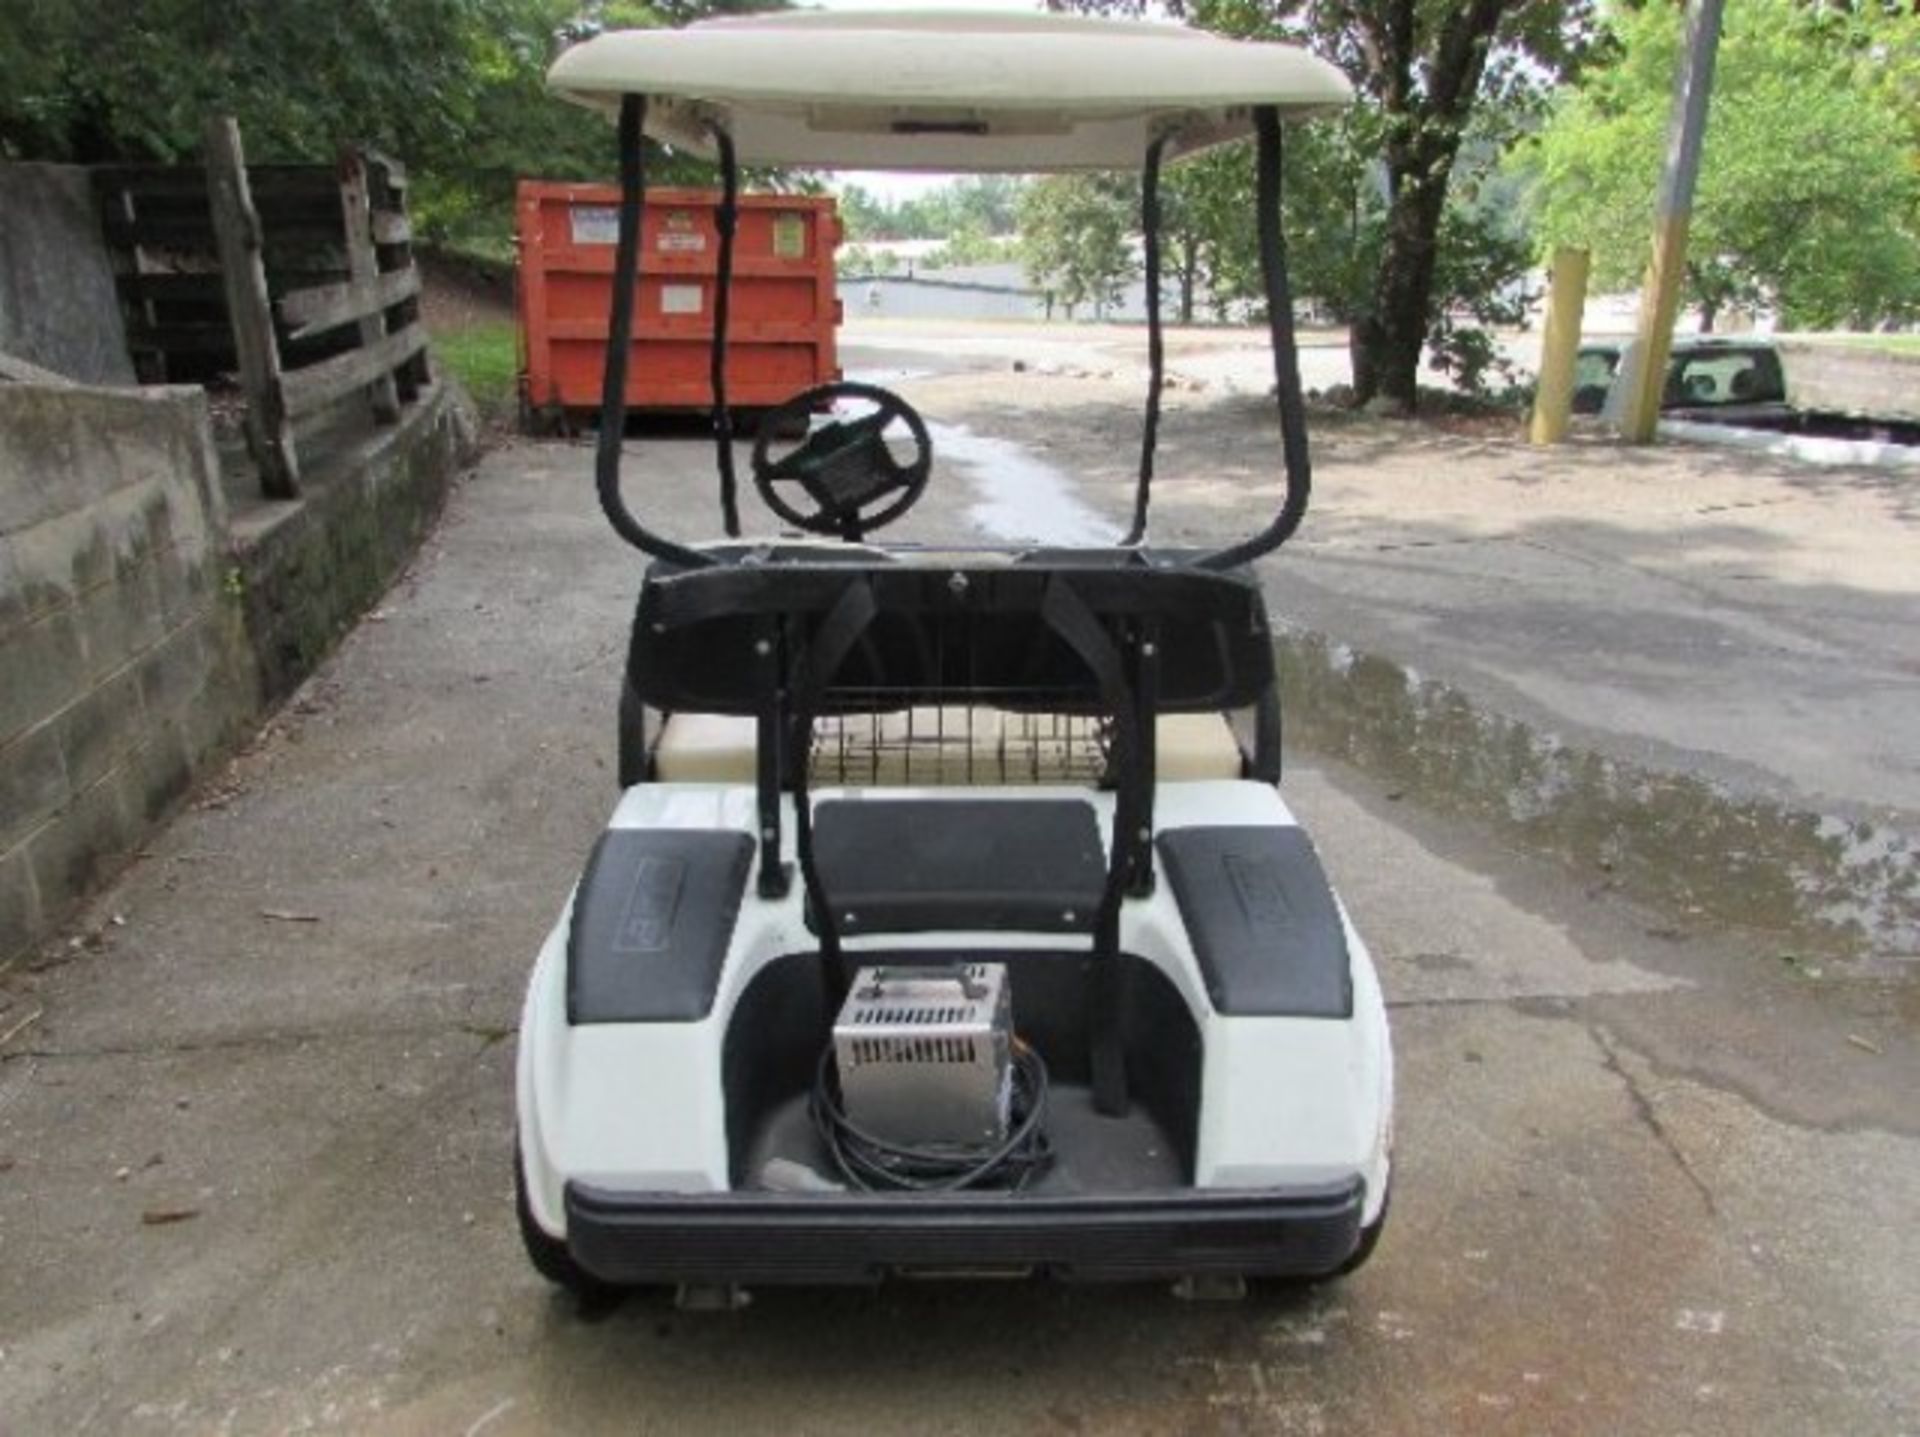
(680,299)
(679,235)
(595,224)
(790,236)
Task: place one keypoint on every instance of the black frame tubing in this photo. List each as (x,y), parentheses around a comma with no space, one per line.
(815,660)
(1064,612)
(1156,344)
(1286,360)
(613,393)
(1278,294)
(729,219)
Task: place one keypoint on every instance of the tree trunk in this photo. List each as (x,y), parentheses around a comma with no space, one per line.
(1189,277)
(1388,339)
(1366,379)
(1709,309)
(1423,144)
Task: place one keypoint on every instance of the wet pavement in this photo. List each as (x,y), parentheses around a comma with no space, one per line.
(254,1148)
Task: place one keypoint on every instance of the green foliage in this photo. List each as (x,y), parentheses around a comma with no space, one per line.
(1075,238)
(1333,212)
(1808,195)
(1335,215)
(969,245)
(485,358)
(301,74)
(982,205)
(454,88)
(858,259)
(1372,210)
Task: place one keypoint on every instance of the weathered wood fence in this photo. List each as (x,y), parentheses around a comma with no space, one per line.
(299,279)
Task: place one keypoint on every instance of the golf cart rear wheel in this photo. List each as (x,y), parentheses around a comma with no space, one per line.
(1357,1259)
(1369,1239)
(547,1253)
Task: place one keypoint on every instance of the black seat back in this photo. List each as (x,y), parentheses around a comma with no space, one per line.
(949,633)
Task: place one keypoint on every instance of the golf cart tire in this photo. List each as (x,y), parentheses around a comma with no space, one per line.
(1357,1259)
(547,1253)
(1369,1240)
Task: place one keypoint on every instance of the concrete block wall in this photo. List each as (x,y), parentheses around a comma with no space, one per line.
(124,661)
(309,573)
(58,305)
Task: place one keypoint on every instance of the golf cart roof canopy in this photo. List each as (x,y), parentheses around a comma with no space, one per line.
(944,90)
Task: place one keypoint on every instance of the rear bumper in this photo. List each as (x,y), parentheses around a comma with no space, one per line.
(766,1238)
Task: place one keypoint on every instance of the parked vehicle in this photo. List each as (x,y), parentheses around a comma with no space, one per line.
(945,925)
(1735,381)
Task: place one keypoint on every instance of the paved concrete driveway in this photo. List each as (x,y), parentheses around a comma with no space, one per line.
(1709,651)
(254,1122)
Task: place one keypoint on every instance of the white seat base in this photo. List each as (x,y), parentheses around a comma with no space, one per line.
(943,747)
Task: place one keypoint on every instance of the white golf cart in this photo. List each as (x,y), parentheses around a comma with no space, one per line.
(950,921)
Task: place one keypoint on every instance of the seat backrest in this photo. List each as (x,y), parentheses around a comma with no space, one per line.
(703,639)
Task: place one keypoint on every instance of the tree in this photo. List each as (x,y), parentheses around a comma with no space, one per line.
(301,74)
(1426,71)
(983,205)
(863,214)
(1075,238)
(1808,195)
(970,245)
(455,88)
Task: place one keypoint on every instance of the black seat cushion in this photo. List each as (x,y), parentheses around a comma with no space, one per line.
(1262,920)
(982,865)
(651,924)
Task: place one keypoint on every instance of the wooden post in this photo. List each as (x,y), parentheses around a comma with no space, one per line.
(393,231)
(364,264)
(236,231)
(1559,346)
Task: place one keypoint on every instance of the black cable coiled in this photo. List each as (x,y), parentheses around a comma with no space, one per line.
(880,1166)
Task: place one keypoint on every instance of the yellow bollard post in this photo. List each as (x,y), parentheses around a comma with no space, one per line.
(1559,345)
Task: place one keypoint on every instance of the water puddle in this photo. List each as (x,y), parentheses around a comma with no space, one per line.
(1022,500)
(1845,887)
(886,376)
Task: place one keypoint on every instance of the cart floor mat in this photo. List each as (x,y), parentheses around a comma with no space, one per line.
(651,924)
(975,865)
(1262,921)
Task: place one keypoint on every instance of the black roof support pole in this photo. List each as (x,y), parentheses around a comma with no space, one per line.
(814,661)
(1286,359)
(1156,344)
(729,221)
(770,753)
(613,393)
(1067,615)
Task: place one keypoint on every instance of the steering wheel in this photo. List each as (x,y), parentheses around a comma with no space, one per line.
(845,469)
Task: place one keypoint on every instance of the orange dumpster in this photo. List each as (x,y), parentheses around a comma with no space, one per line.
(783,315)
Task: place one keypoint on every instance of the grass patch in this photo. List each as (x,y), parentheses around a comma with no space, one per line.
(1891,343)
(485,358)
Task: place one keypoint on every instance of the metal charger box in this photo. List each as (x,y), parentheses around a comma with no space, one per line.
(925,1054)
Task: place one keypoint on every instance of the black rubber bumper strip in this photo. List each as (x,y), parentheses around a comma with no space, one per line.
(857,1238)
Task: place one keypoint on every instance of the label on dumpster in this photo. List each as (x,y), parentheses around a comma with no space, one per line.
(595,224)
(680,299)
(679,234)
(790,236)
